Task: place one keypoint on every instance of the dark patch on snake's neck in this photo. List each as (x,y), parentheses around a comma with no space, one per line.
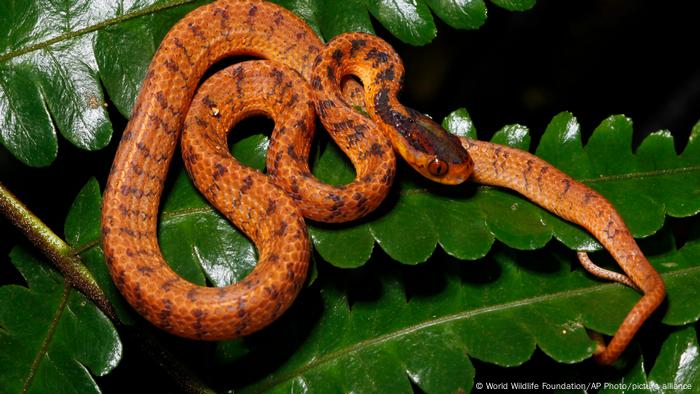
(422,134)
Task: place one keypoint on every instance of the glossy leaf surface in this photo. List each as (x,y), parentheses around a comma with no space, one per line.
(55,56)
(50,335)
(423,324)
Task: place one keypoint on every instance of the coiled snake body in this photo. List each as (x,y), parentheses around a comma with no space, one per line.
(301,77)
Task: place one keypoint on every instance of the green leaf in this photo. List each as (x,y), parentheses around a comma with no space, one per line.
(423,324)
(82,231)
(50,335)
(124,49)
(515,5)
(466,220)
(460,14)
(675,370)
(48,65)
(654,180)
(55,56)
(410,20)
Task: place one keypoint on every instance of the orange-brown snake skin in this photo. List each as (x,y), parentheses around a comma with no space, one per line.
(300,78)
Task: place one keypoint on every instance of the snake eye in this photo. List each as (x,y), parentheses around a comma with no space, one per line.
(437,167)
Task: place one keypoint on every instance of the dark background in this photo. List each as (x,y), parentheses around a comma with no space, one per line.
(593,58)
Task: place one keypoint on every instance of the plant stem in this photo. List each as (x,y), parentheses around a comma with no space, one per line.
(55,249)
(79,277)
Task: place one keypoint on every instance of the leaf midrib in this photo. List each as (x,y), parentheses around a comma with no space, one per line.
(364,344)
(44,348)
(89,29)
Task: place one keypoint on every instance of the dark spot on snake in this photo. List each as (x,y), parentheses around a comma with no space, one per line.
(192,294)
(145,270)
(377,57)
(223,12)
(362,203)
(190,157)
(171,65)
(219,170)
(282,229)
(201,122)
(197,31)
(337,56)
(301,125)
(247,184)
(316,83)
(253,10)
(567,186)
(120,279)
(168,284)
(376,149)
(356,45)
(136,169)
(330,70)
(292,154)
(137,291)
(386,75)
(543,171)
(143,149)
(272,291)
(323,105)
(274,257)
(241,313)
(278,18)
(293,100)
(587,196)
(166,311)
(277,75)
(610,231)
(271,206)
(312,49)
(317,61)
(294,185)
(160,98)
(129,232)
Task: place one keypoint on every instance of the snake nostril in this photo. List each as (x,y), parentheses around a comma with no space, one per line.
(437,167)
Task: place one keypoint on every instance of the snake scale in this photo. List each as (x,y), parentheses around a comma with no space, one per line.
(301,77)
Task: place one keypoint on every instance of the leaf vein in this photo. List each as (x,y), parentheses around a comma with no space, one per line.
(330,357)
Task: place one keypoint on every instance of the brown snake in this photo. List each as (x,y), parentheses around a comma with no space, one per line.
(301,77)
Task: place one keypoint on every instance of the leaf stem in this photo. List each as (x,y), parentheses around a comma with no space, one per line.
(55,249)
(78,276)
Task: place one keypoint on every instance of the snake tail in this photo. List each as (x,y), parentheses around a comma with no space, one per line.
(550,188)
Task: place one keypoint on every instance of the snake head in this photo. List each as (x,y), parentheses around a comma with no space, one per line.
(424,144)
(432,151)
